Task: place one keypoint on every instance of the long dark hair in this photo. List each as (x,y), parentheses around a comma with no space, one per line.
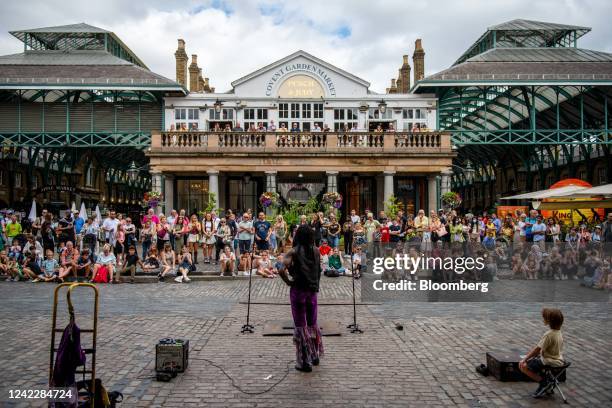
(304,238)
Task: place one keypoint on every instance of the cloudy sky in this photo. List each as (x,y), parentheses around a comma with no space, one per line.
(364,37)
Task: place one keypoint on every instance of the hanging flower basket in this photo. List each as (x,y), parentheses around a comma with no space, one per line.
(153,198)
(269,199)
(451,199)
(333,198)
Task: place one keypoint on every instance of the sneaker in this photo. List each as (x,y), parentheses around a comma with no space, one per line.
(186,279)
(541,389)
(36,280)
(305,368)
(9,279)
(178,279)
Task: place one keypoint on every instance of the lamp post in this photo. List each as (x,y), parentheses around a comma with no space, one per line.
(218,105)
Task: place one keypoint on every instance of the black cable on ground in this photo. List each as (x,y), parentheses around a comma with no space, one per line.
(212,363)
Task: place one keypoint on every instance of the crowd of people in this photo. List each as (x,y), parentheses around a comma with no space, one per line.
(56,248)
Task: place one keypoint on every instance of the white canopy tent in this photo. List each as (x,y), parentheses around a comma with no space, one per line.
(32,215)
(548,193)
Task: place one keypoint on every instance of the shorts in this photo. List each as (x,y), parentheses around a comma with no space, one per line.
(244,245)
(535,365)
(262,245)
(33,266)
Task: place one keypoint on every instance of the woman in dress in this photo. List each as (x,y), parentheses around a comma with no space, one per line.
(281,232)
(163,233)
(194,229)
(301,270)
(168,260)
(208,237)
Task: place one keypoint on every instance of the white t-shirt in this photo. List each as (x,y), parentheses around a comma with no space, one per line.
(538,228)
(110,225)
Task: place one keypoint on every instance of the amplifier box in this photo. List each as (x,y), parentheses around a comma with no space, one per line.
(172,355)
(504,365)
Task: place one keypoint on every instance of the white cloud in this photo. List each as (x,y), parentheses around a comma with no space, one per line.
(233,38)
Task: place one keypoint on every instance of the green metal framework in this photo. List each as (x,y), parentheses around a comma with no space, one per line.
(76,37)
(133,116)
(524,33)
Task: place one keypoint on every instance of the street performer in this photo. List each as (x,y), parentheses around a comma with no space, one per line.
(304,273)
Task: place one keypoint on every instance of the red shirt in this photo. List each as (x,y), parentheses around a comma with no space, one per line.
(324,250)
(384,234)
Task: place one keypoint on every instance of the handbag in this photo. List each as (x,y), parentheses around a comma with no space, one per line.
(442,231)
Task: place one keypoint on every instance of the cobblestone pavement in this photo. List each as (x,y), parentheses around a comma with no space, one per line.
(429,363)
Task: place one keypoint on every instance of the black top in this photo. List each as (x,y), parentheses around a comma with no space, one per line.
(131,260)
(305,269)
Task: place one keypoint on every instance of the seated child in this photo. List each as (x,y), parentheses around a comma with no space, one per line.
(264,265)
(546,353)
(131,262)
(31,266)
(185,265)
(151,263)
(245,263)
(4,262)
(227,261)
(50,268)
(334,264)
(83,263)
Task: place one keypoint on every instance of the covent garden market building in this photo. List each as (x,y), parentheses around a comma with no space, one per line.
(83,118)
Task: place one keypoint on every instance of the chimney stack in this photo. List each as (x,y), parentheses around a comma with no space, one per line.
(393,88)
(193,73)
(418,59)
(404,74)
(181,63)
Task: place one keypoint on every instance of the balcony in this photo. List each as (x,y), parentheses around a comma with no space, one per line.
(300,143)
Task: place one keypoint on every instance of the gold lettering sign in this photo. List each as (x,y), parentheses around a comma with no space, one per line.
(301,86)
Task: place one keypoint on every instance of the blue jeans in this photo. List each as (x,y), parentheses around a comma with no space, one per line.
(145,248)
(333,241)
(340,270)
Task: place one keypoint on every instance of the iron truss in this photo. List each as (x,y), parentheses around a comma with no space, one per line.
(76,139)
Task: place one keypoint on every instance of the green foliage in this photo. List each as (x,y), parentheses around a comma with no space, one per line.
(294,209)
(211,205)
(392,207)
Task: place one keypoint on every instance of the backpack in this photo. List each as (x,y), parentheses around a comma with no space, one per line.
(101,275)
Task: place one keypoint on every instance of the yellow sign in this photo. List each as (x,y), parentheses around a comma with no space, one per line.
(301,86)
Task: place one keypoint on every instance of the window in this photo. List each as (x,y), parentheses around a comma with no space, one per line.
(317,110)
(295,110)
(17,180)
(601,175)
(253,116)
(283,110)
(583,175)
(375,113)
(188,118)
(34,182)
(89,177)
(224,114)
(345,118)
(306,111)
(1,177)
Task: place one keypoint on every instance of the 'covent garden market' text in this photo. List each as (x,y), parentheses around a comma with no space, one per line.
(300,67)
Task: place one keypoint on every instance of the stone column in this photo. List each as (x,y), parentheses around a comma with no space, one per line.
(157,185)
(445,181)
(332,181)
(432,193)
(388,190)
(169,193)
(270,186)
(213,185)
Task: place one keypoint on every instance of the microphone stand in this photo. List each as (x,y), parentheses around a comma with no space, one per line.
(247,327)
(354,326)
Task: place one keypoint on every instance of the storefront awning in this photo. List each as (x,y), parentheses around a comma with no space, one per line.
(548,193)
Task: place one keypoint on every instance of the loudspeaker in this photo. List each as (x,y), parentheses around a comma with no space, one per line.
(171,355)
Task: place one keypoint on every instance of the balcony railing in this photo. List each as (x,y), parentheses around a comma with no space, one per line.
(279,142)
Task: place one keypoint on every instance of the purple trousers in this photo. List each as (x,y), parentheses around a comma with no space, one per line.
(306,334)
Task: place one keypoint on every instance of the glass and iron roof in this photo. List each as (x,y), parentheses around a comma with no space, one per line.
(76,37)
(522,33)
(78,56)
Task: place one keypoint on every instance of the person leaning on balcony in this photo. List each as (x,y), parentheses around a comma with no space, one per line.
(237,128)
(391,128)
(217,128)
(378,129)
(271,127)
